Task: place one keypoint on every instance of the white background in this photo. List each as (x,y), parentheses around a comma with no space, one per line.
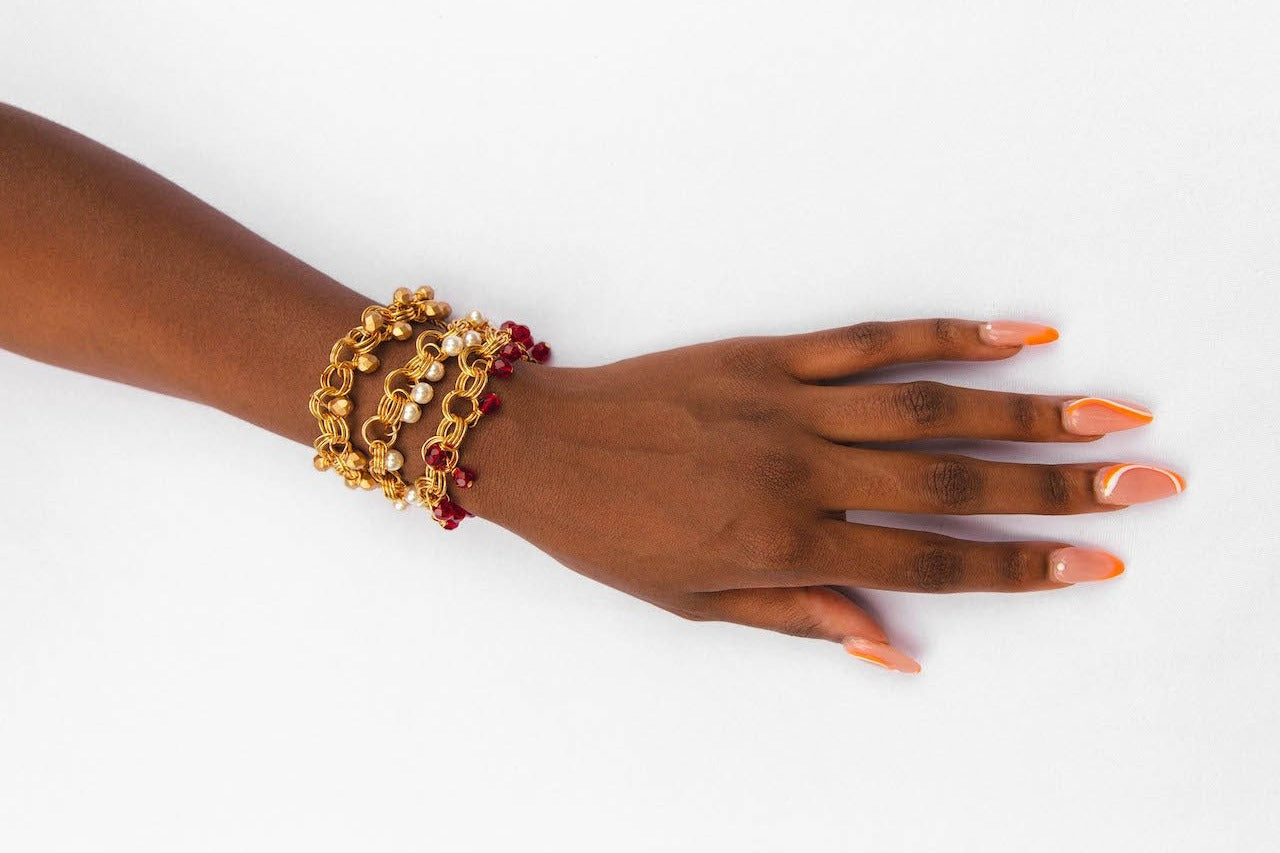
(206,646)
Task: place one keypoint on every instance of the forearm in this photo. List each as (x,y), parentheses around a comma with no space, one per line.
(110,269)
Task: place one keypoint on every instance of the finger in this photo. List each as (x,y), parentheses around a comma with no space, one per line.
(902,481)
(845,350)
(874,557)
(817,612)
(911,411)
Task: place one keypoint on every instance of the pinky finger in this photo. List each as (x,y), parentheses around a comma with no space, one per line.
(818,612)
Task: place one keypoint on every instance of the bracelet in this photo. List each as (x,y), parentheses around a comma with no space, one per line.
(330,405)
(481,351)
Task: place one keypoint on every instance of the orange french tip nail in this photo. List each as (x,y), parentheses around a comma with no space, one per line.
(1048,336)
(880,654)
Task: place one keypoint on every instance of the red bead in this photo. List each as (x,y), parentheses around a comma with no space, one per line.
(463,477)
(488,403)
(520,334)
(540,352)
(500,368)
(512,352)
(437,457)
(458,512)
(443,510)
(449,524)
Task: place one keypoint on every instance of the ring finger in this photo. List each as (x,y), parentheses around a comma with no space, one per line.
(911,482)
(918,410)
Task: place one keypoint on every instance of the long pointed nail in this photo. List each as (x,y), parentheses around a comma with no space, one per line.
(1012,333)
(881,654)
(1131,484)
(1097,415)
(1073,565)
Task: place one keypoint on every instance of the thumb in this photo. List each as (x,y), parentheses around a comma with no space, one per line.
(818,612)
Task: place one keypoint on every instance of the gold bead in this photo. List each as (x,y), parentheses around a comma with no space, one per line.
(355,459)
(373,322)
(400,330)
(437,309)
(340,407)
(425,293)
(366,362)
(350,482)
(320,462)
(403,295)
(366,482)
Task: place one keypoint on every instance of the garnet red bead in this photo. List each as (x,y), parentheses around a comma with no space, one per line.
(520,334)
(540,352)
(437,457)
(500,368)
(512,352)
(449,524)
(463,477)
(488,403)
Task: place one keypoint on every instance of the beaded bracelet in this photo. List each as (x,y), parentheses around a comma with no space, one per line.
(481,350)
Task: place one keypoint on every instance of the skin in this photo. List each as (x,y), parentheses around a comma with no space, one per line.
(717,501)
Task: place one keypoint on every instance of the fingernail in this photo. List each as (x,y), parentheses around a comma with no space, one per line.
(881,654)
(1011,333)
(1096,416)
(1135,484)
(1073,565)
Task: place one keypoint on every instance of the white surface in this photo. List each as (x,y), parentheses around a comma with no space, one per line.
(190,659)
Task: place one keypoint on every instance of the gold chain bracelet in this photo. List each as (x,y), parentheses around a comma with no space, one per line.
(481,350)
(330,405)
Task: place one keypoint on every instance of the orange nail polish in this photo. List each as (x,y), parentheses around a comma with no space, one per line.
(1074,565)
(1123,485)
(1097,416)
(1012,333)
(880,654)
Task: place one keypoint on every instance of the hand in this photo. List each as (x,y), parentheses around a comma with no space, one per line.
(712,480)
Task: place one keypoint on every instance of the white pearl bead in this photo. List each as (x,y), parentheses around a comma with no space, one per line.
(399,504)
(451,345)
(411,413)
(472,338)
(476,317)
(395,460)
(411,496)
(421,393)
(435,371)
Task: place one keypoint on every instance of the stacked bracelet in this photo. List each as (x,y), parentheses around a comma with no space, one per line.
(481,351)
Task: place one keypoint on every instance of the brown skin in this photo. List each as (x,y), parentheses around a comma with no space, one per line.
(718,497)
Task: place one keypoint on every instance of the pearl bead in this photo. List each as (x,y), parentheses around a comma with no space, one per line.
(435,371)
(421,393)
(472,338)
(411,496)
(399,504)
(451,345)
(394,460)
(476,317)
(411,413)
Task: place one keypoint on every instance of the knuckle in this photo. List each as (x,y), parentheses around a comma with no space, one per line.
(747,357)
(1017,567)
(946,331)
(795,619)
(953,483)
(937,569)
(926,403)
(1024,413)
(776,470)
(868,338)
(775,547)
(1055,489)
